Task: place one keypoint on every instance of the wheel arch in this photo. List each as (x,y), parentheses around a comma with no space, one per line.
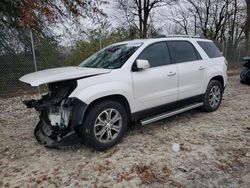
(218,78)
(115,97)
(81,109)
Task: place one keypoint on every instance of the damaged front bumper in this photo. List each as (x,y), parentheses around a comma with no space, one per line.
(51,137)
(59,115)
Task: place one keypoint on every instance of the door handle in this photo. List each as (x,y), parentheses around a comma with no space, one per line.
(171,73)
(201,68)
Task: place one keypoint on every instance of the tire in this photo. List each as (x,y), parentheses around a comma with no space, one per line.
(214,93)
(96,132)
(243,75)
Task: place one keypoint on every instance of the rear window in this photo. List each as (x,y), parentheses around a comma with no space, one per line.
(209,47)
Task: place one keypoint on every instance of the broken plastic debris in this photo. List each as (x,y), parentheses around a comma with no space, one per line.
(176,148)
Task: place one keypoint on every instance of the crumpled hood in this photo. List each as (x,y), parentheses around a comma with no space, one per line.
(60,74)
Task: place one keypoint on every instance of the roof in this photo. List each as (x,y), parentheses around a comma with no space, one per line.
(165,38)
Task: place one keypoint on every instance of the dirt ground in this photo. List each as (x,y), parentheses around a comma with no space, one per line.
(215,150)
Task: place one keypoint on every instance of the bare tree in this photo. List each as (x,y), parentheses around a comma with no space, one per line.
(212,16)
(137,12)
(218,20)
(235,23)
(180,16)
(247,26)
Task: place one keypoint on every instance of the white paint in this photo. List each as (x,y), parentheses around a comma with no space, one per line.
(59,74)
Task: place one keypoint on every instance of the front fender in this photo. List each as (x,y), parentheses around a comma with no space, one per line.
(91,93)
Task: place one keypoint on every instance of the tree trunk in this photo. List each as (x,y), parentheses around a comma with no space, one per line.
(247,28)
(140,8)
(145,18)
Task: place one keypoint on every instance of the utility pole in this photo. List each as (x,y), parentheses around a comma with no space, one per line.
(34,54)
(33,50)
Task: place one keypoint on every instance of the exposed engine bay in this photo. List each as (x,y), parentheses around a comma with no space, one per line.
(55,113)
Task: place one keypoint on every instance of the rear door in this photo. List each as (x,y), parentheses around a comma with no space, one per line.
(158,84)
(190,66)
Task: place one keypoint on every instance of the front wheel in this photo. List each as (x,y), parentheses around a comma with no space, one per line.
(104,126)
(213,96)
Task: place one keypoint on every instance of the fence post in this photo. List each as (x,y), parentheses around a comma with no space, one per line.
(34,54)
(239,58)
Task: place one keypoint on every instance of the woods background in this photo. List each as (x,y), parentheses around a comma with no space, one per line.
(65,32)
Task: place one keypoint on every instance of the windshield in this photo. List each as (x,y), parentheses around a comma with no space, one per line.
(111,57)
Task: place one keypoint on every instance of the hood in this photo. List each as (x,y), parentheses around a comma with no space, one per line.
(60,74)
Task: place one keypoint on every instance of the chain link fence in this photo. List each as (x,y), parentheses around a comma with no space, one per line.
(233,53)
(15,65)
(12,67)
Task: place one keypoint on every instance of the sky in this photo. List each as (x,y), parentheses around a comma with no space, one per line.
(69,31)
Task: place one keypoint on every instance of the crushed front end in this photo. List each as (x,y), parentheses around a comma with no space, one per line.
(55,113)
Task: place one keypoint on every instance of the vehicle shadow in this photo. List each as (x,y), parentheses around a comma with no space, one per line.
(75,142)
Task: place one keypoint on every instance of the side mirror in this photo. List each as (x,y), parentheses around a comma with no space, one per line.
(142,64)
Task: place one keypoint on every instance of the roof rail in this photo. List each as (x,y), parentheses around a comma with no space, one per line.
(186,36)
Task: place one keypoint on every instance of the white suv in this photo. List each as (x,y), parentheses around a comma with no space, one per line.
(142,81)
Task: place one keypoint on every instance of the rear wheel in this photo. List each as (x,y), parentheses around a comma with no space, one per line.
(104,125)
(213,96)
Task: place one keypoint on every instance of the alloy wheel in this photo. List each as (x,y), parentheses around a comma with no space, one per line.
(107,125)
(214,96)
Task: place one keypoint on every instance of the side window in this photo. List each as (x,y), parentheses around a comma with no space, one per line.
(157,54)
(182,51)
(210,49)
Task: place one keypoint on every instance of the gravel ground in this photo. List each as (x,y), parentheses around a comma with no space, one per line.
(215,150)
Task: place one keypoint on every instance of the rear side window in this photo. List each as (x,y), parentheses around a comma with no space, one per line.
(157,54)
(210,49)
(182,51)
